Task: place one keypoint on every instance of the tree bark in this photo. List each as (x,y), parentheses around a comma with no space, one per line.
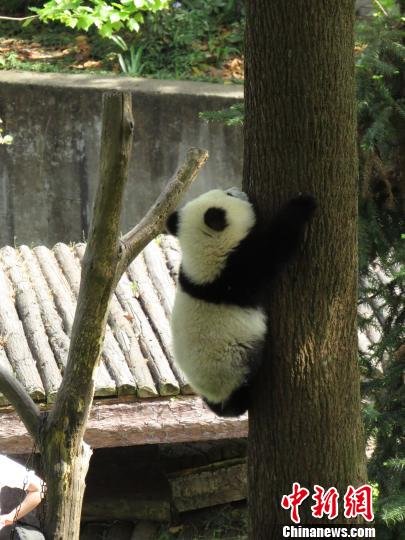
(304,422)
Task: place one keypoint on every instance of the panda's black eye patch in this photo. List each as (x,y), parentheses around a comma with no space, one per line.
(215,218)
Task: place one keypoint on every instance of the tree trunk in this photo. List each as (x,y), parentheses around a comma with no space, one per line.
(65,490)
(65,456)
(304,422)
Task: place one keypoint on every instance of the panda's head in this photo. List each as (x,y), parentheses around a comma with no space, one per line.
(209,228)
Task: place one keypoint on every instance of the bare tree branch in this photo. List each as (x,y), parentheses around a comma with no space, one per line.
(21,401)
(153,222)
(380,7)
(4,18)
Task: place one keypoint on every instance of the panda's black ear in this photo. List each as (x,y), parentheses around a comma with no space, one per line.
(172,223)
(215,218)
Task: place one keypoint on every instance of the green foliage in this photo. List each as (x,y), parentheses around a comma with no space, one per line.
(130,59)
(108,17)
(12,61)
(393,510)
(381,120)
(381,54)
(233,116)
(382,291)
(191,37)
(388,4)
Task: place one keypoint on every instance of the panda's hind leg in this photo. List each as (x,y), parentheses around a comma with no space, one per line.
(237,403)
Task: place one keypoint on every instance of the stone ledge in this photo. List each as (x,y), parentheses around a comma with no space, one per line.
(121,83)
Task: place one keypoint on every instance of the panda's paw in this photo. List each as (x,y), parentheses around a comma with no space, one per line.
(303,205)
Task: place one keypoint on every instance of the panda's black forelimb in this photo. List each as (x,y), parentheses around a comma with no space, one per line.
(288,227)
(264,253)
(286,231)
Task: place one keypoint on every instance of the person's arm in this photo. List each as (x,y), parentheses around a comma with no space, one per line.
(31,501)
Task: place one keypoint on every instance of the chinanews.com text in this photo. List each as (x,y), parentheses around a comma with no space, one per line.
(337,531)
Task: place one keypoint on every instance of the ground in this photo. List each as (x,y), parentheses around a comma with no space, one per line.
(54,48)
(46,48)
(228,522)
(225,522)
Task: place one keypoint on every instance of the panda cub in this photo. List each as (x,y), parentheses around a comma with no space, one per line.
(218,322)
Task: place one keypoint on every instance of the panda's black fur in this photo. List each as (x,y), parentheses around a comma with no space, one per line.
(218,323)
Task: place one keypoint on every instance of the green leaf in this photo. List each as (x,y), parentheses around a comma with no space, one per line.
(71,22)
(105,11)
(120,42)
(27,22)
(108,17)
(106,30)
(115,17)
(84,22)
(133,25)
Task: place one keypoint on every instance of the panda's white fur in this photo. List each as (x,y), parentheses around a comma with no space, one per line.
(211,343)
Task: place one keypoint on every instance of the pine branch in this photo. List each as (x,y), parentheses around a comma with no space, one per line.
(393,510)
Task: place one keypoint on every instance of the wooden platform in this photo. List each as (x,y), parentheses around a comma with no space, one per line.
(117,423)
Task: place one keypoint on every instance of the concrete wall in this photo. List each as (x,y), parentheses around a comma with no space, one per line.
(49,174)
(364,8)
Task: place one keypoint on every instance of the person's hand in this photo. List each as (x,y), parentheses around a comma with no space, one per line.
(6,519)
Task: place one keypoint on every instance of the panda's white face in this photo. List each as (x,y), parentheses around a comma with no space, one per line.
(209,228)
